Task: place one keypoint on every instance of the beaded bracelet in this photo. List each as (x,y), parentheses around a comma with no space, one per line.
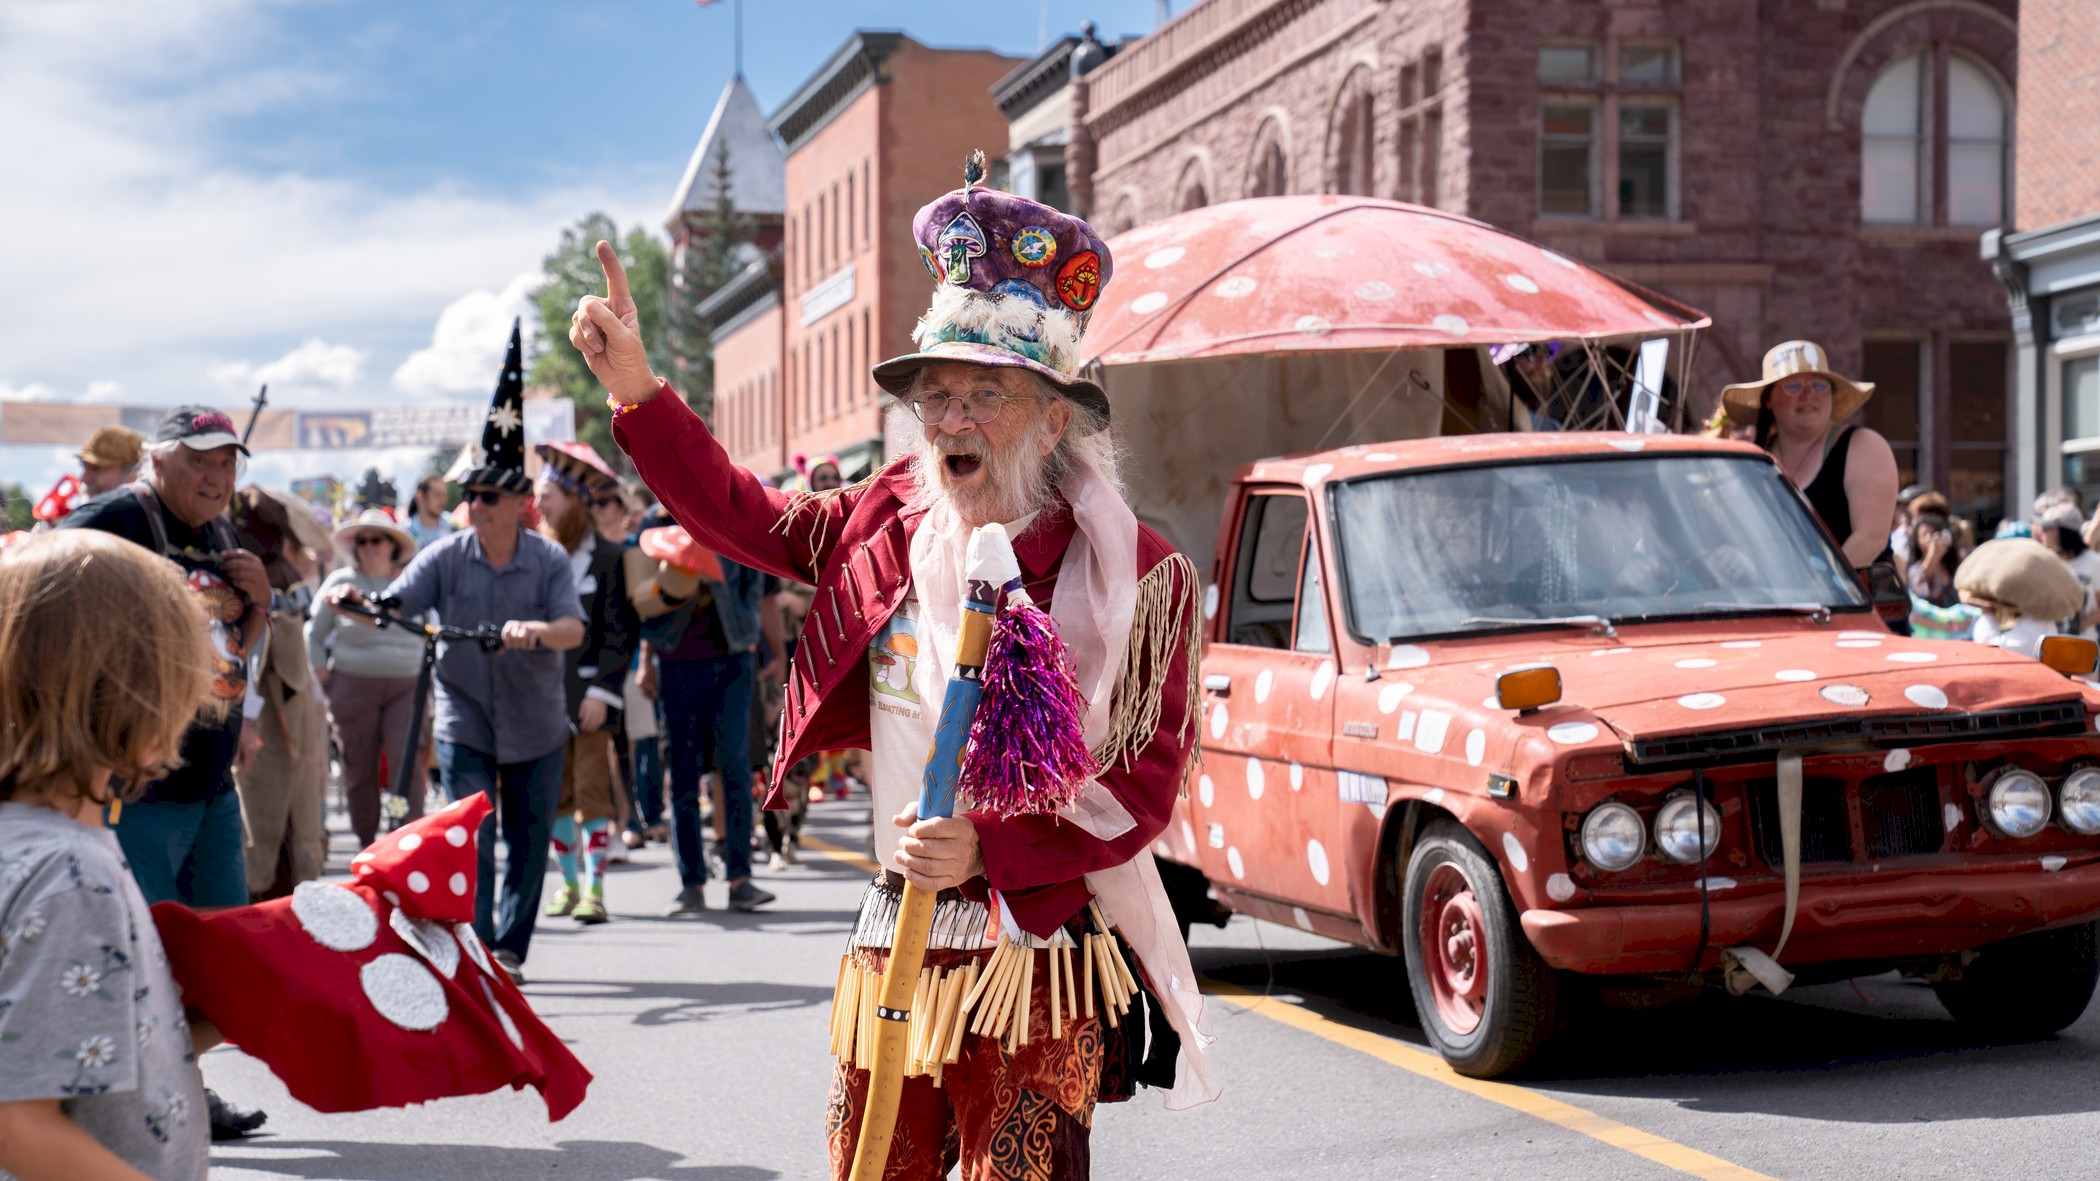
(618,407)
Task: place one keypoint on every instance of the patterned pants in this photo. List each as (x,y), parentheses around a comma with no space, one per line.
(1023,1117)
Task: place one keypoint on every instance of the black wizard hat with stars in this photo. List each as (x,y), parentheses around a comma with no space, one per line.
(502,461)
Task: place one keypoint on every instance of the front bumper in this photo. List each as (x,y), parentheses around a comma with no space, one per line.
(1919,915)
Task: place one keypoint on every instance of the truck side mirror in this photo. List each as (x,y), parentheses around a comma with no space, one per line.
(1890,597)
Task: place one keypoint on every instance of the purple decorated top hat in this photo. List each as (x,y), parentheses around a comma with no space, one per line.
(1016,283)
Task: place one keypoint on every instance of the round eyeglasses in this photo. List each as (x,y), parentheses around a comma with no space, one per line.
(980,407)
(1797,386)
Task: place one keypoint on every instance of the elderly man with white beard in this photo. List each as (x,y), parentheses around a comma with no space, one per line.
(992,424)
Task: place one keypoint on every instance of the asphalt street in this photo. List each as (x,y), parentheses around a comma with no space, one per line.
(708,1041)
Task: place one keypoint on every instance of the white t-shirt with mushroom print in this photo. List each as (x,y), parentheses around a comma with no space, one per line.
(89,1014)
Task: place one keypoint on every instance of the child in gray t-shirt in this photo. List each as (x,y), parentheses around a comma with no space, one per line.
(89,1015)
(98,1069)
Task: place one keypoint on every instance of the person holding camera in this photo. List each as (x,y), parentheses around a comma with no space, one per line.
(502,716)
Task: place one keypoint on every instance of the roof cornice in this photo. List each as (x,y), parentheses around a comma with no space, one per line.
(856,66)
(1029,83)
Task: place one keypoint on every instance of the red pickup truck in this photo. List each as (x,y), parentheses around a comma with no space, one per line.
(1568,717)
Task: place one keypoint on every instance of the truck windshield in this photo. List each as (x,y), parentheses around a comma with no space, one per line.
(1666,536)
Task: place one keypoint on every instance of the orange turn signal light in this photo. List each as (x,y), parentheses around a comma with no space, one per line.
(1528,688)
(2073,656)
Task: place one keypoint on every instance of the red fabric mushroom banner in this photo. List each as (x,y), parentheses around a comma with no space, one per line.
(374,992)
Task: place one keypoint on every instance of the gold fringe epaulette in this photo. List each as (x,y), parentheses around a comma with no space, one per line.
(990,997)
(1163,626)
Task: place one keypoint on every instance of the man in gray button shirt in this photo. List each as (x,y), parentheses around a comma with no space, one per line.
(502,717)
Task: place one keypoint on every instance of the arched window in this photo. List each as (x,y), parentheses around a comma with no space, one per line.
(1913,172)
(1191,193)
(1271,175)
(1352,136)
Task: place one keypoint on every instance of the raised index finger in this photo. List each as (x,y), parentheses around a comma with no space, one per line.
(616,292)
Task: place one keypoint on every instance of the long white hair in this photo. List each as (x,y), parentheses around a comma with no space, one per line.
(1019,476)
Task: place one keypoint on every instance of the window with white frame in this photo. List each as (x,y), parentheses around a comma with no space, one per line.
(1917,168)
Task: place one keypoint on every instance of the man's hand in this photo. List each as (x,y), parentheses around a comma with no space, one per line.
(607,331)
(522,634)
(590,716)
(244,571)
(349,594)
(645,678)
(251,745)
(937,854)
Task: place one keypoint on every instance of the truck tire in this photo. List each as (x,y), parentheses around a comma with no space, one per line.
(1487,1001)
(2026,988)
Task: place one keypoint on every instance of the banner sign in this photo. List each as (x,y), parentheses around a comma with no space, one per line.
(440,424)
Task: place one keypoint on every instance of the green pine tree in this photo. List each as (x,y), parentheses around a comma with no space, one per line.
(572,272)
(19,507)
(713,256)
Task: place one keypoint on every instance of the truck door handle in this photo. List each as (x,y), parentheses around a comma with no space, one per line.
(1217,683)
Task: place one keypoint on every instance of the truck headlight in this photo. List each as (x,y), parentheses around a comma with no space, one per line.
(1613,837)
(2017,805)
(1677,829)
(2078,801)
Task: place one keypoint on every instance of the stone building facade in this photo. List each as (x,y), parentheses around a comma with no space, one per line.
(1799,168)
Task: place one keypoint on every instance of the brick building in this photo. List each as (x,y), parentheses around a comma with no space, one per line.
(1800,168)
(2051,262)
(881,129)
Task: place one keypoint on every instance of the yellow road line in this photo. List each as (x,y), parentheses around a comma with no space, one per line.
(1667,1153)
(839,853)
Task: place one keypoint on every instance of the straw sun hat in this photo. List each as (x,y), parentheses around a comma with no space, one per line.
(1744,399)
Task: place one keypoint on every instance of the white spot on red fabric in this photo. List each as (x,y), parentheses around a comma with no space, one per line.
(404,992)
(1572,733)
(1513,849)
(1316,858)
(338,919)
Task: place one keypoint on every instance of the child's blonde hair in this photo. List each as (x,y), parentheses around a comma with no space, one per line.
(104,662)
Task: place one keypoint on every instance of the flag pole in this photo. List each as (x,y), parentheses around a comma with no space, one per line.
(739,38)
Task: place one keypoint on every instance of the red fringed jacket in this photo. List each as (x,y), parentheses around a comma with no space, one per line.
(855,548)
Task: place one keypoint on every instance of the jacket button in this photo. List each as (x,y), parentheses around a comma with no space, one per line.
(900,580)
(858,615)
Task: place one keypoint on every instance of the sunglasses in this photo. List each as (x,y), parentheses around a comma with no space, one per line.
(373,539)
(484,495)
(605,501)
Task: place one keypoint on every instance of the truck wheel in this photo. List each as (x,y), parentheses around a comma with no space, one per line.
(1486,999)
(2028,987)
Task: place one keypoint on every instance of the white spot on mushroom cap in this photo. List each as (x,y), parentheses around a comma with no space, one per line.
(1389,696)
(428,938)
(1316,857)
(1702,700)
(338,919)
(1164,258)
(1431,270)
(1794,674)
(1476,747)
(1434,795)
(1742,643)
(1380,457)
(1218,720)
(1429,735)
(1234,287)
(1451,324)
(1322,679)
(1560,258)
(1859,635)
(1560,887)
(1859,643)
(1210,601)
(1629,444)
(1406,729)
(1301,918)
(1611,651)
(1316,472)
(1514,850)
(1375,291)
(1206,791)
(418,881)
(1235,863)
(1929,696)
(1311,325)
(1844,695)
(1263,684)
(410,842)
(1913,657)
(1572,733)
(1256,779)
(457,836)
(404,992)
(458,884)
(1521,283)
(1148,303)
(1697,662)
(1297,776)
(1407,656)
(1896,760)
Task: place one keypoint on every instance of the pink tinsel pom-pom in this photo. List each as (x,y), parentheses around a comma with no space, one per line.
(1027,752)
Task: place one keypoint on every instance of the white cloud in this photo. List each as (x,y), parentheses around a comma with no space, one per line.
(35,391)
(467,345)
(156,259)
(313,370)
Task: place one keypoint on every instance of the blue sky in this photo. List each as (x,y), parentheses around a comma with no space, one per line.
(349,198)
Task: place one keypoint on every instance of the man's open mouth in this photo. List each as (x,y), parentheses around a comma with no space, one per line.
(962,467)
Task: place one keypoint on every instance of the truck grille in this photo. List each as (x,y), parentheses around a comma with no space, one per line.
(1900,816)
(2032,721)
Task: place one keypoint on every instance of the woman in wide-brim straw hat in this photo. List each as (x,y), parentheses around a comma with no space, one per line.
(1850,480)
